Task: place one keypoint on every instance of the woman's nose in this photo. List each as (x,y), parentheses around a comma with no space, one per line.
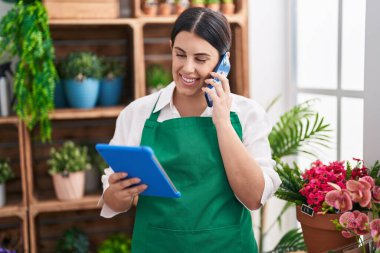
(188,66)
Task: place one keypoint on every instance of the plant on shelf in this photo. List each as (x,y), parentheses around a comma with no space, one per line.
(157,77)
(150,7)
(24,32)
(213,4)
(228,7)
(73,240)
(6,174)
(67,166)
(111,84)
(165,7)
(81,73)
(180,6)
(198,3)
(116,243)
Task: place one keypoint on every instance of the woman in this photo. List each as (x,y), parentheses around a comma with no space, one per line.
(218,158)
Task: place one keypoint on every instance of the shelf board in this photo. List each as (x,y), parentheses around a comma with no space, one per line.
(9,120)
(11,210)
(95,113)
(85,203)
(111,21)
(236,18)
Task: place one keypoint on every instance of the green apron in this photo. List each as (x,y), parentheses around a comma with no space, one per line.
(207,218)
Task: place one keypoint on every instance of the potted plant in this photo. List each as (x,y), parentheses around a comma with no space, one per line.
(198,3)
(67,166)
(24,32)
(165,7)
(73,240)
(228,7)
(97,167)
(81,73)
(111,83)
(213,5)
(116,243)
(150,7)
(157,77)
(6,173)
(180,6)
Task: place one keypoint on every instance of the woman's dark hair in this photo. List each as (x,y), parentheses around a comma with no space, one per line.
(210,25)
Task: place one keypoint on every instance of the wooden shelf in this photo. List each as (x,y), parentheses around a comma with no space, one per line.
(85,203)
(11,211)
(9,120)
(234,19)
(96,113)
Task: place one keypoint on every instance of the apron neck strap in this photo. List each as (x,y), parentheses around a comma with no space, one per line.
(154,115)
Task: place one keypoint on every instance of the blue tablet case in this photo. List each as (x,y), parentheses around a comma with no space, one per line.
(139,162)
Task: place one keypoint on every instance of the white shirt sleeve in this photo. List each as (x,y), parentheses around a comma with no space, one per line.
(256,129)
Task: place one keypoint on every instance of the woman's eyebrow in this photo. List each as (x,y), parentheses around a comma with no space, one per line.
(197,54)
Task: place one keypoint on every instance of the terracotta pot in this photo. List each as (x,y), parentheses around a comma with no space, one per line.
(150,10)
(228,9)
(69,187)
(214,6)
(320,233)
(164,9)
(179,9)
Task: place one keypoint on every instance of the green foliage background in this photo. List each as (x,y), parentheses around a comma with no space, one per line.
(24,32)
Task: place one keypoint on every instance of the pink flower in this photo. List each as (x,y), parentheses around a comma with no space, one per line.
(354,222)
(339,199)
(376,194)
(360,192)
(375,231)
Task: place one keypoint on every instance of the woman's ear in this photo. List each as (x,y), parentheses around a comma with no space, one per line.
(228,55)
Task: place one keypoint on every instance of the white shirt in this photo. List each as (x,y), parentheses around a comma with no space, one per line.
(253,119)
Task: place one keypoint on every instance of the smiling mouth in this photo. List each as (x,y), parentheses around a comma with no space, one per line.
(188,81)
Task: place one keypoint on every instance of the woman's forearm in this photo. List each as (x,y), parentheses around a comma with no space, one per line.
(243,172)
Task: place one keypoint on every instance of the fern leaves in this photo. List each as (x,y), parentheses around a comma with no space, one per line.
(297,127)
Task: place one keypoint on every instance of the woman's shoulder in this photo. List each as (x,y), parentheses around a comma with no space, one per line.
(246,105)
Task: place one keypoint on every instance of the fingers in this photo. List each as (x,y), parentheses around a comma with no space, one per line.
(223,79)
(115,177)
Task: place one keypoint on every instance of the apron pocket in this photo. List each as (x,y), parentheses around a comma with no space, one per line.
(223,239)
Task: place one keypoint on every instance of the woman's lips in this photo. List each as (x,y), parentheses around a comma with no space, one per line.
(188,81)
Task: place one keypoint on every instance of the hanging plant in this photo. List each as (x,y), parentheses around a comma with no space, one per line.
(24,32)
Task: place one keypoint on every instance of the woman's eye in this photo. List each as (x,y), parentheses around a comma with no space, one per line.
(180,55)
(201,60)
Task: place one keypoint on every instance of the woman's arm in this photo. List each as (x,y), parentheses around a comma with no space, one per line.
(251,183)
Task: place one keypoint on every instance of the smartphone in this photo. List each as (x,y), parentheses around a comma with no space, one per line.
(224,67)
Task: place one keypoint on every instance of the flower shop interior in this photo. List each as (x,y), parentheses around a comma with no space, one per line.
(313,66)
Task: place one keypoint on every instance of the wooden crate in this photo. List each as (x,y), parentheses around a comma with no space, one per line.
(82,9)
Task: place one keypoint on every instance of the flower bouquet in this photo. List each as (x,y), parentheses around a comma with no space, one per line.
(347,197)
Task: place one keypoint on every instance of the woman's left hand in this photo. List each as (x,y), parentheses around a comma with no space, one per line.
(221,99)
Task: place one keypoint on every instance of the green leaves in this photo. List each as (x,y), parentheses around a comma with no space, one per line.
(6,172)
(291,241)
(156,76)
(116,243)
(291,183)
(69,158)
(25,33)
(79,65)
(297,127)
(73,241)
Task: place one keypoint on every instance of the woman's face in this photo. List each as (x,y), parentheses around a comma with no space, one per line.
(193,60)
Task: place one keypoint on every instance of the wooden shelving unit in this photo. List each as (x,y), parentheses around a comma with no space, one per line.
(138,41)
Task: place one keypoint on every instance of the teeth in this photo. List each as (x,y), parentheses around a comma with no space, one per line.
(188,80)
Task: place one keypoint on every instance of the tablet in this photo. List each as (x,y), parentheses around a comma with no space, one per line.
(139,161)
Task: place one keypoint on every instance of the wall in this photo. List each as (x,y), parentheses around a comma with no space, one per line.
(269,77)
(371,83)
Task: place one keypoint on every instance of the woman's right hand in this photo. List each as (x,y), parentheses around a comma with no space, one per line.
(121,190)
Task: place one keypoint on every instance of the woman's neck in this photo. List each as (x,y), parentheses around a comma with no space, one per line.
(189,106)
